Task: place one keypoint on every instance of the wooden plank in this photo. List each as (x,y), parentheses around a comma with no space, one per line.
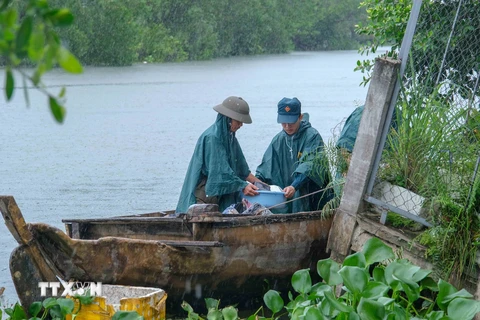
(16,224)
(393,236)
(174,243)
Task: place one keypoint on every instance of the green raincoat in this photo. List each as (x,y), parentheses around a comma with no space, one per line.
(218,158)
(350,130)
(288,156)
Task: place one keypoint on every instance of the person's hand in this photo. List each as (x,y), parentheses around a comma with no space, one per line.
(289,192)
(250,190)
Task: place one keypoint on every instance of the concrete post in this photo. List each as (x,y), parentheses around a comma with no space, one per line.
(377,103)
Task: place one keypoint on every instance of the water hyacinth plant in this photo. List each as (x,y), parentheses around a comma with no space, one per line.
(374,285)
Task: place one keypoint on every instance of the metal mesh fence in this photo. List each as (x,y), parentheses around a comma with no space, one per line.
(430,159)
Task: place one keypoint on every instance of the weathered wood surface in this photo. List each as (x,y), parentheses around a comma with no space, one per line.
(377,102)
(402,243)
(18,228)
(173,228)
(227,258)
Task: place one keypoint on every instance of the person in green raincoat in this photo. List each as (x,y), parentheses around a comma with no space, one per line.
(346,142)
(288,161)
(218,171)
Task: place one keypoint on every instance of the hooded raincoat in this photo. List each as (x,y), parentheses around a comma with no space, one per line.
(348,136)
(288,156)
(219,159)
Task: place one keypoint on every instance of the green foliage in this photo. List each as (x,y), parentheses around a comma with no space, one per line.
(419,155)
(28,36)
(123,32)
(376,285)
(395,288)
(385,25)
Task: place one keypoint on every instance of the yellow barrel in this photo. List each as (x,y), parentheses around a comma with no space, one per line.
(148,302)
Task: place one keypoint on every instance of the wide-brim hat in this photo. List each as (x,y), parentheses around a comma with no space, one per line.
(235,108)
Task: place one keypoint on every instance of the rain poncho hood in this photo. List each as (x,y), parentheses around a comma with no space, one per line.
(219,158)
(287,156)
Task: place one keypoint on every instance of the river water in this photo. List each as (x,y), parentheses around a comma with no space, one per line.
(130,132)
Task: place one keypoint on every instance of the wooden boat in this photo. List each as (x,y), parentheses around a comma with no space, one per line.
(232,258)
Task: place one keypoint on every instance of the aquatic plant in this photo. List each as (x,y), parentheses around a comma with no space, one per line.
(370,284)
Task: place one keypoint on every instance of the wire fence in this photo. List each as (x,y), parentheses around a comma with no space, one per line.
(431,155)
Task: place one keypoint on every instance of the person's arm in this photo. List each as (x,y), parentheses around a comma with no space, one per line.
(251,189)
(297,183)
(252,179)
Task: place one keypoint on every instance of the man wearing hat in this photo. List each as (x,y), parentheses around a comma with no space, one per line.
(218,170)
(288,160)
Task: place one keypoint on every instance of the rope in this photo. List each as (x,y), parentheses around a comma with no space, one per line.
(304,196)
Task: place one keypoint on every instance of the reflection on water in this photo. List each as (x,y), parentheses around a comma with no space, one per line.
(130,132)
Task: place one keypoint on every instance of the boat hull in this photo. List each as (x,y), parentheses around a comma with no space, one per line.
(234,259)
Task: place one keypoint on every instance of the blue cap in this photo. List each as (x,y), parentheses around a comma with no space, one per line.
(289,110)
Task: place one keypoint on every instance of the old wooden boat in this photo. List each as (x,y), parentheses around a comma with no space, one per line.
(231,258)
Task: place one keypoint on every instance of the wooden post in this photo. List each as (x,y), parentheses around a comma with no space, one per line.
(378,99)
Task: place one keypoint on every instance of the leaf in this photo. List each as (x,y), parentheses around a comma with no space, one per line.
(370,310)
(56,312)
(379,274)
(49,302)
(34,308)
(328,270)
(435,315)
(336,304)
(375,290)
(314,314)
(420,275)
(186,306)
(127,315)
(9,84)
(17,312)
(9,311)
(354,278)
(23,36)
(412,289)
(58,111)
(318,290)
(212,303)
(445,290)
(400,269)
(301,281)
(68,61)
(377,251)
(214,314)
(25,92)
(461,308)
(273,301)
(355,260)
(60,17)
(36,45)
(66,305)
(230,313)
(85,299)
(386,301)
(4,5)
(429,283)
(62,92)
